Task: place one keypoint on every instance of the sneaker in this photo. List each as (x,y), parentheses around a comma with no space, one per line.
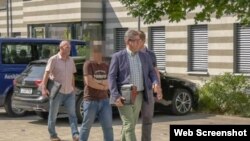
(76,137)
(55,139)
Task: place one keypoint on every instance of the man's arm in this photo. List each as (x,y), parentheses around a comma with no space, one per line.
(45,91)
(158,75)
(88,78)
(155,78)
(105,83)
(73,75)
(152,73)
(112,79)
(154,62)
(73,81)
(48,70)
(92,82)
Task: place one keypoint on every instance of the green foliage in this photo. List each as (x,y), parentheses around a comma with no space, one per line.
(84,51)
(225,94)
(176,10)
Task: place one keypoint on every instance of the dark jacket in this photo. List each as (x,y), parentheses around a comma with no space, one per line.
(119,74)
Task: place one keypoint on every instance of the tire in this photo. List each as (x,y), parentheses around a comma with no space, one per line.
(10,109)
(79,109)
(182,102)
(43,115)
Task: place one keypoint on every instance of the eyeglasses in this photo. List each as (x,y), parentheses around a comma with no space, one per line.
(134,40)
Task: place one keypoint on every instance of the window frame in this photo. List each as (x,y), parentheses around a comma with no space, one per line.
(190,51)
(150,41)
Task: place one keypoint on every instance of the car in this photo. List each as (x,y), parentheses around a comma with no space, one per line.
(27,95)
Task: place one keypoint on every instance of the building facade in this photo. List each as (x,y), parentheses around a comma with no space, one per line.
(184,49)
(53,19)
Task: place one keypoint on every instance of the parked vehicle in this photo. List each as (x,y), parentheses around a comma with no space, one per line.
(15,54)
(27,95)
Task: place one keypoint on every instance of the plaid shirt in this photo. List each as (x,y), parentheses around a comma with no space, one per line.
(135,70)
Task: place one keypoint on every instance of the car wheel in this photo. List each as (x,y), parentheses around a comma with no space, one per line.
(10,107)
(181,102)
(79,109)
(43,115)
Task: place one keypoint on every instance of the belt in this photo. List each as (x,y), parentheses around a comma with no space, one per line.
(139,92)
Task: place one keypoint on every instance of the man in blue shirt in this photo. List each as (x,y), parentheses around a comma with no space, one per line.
(147,110)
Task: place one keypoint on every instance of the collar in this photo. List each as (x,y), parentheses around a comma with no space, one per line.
(60,56)
(130,52)
(144,49)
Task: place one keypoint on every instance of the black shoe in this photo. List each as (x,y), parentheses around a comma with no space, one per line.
(55,139)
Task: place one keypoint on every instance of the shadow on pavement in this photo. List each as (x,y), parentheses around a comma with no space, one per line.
(158,118)
(27,116)
(163,117)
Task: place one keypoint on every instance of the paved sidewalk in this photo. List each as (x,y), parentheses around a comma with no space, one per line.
(32,128)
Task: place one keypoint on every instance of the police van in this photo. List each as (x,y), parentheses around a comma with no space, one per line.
(16,53)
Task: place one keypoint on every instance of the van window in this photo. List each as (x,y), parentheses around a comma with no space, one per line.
(16,53)
(24,53)
(47,50)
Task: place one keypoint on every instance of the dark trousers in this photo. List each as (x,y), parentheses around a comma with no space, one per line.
(147,113)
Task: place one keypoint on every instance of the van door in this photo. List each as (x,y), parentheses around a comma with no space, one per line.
(14,58)
(9,67)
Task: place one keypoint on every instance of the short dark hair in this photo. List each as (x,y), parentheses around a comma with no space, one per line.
(142,35)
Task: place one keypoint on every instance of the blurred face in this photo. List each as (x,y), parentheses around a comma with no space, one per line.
(133,43)
(65,48)
(97,55)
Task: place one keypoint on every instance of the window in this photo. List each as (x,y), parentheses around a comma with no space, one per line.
(3,4)
(198,48)
(39,32)
(16,34)
(157,43)
(119,38)
(242,49)
(16,53)
(78,30)
(47,50)
(24,53)
(59,31)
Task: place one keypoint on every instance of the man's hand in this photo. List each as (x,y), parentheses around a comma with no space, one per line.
(45,92)
(120,102)
(157,89)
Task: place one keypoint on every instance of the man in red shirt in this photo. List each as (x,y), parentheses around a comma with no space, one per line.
(96,100)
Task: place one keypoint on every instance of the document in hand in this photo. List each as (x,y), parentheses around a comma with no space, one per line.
(129,92)
(53,88)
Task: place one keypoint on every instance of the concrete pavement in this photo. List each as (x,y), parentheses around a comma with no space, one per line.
(32,128)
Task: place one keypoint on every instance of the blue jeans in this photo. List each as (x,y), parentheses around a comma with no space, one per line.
(68,100)
(102,110)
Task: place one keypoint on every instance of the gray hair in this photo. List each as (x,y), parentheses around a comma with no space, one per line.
(129,34)
(63,43)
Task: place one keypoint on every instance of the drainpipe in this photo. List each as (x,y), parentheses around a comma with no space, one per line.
(104,25)
(103,18)
(7,15)
(11,23)
(139,23)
